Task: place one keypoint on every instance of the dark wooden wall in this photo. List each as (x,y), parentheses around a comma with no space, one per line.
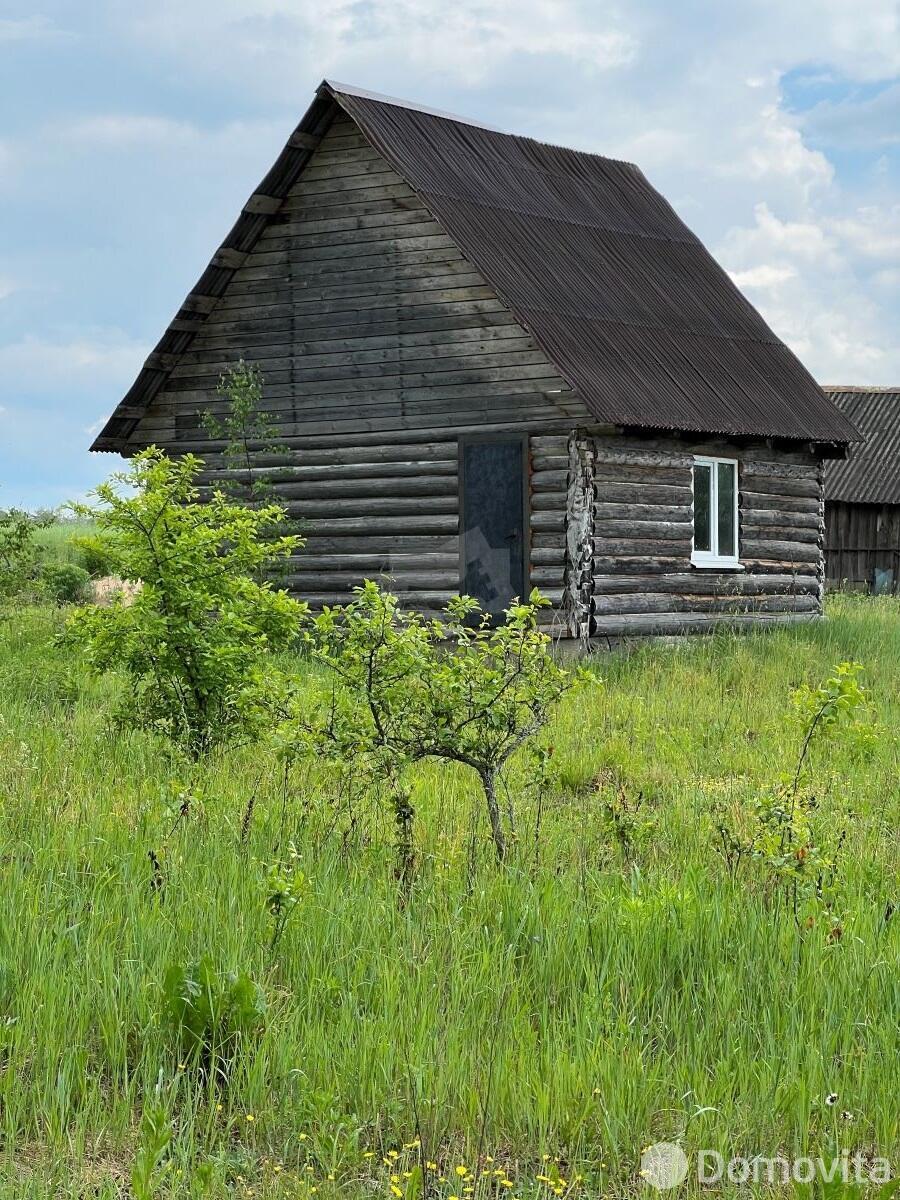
(379,345)
(859,538)
(643,580)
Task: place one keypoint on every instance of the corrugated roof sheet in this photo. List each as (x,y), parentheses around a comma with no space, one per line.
(871,473)
(627,303)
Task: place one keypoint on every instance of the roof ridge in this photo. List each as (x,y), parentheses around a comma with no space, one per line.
(860,387)
(348,89)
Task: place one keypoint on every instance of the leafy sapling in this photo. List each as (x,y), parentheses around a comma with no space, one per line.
(403,689)
(197,638)
(246,431)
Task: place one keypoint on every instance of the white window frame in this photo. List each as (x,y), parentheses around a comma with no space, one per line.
(711,558)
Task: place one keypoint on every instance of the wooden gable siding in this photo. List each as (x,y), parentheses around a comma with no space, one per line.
(642,577)
(379,345)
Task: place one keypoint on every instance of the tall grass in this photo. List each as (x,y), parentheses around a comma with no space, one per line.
(579,1004)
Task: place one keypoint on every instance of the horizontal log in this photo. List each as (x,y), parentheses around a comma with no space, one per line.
(780,518)
(653,602)
(619,564)
(362,563)
(806,535)
(706,583)
(607,491)
(354,526)
(319,545)
(542,443)
(629,473)
(549,555)
(550,576)
(348,461)
(326,507)
(549,481)
(609,455)
(765,502)
(642,512)
(779,485)
(347,479)
(549,462)
(549,501)
(642,530)
(793,551)
(547,521)
(642,547)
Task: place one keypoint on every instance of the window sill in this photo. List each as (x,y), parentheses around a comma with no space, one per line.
(717,564)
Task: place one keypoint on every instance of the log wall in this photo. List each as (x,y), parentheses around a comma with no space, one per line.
(643,579)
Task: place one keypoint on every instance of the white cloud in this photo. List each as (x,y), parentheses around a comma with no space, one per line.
(770,147)
(7,287)
(872,231)
(764,277)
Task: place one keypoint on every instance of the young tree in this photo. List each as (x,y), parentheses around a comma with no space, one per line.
(245,429)
(196,638)
(457,689)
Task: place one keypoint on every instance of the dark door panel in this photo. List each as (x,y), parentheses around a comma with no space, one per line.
(493,521)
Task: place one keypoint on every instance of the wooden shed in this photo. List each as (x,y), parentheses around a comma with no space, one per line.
(862,494)
(499,364)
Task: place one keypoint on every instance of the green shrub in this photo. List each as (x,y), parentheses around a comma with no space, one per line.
(65,583)
(196,639)
(18,552)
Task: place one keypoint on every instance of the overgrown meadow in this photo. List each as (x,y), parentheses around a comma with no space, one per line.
(640,968)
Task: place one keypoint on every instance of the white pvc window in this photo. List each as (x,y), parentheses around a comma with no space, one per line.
(715,512)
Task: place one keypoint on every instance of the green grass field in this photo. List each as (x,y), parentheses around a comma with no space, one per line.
(541,1023)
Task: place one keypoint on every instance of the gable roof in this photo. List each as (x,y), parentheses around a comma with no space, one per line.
(871,474)
(625,301)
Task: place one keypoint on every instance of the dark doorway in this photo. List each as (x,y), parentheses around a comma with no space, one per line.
(493,521)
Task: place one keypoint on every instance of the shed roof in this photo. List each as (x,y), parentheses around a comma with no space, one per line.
(871,473)
(626,302)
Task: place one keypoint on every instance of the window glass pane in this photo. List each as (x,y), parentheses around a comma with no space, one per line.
(727,531)
(702,524)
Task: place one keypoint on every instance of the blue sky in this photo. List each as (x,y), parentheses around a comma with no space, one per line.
(132,132)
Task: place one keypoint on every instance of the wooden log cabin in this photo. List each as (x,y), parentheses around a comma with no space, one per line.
(497,364)
(862,494)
